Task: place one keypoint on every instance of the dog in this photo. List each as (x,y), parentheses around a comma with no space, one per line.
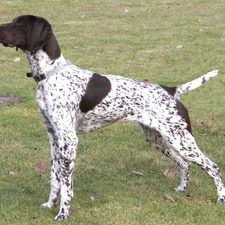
(72,100)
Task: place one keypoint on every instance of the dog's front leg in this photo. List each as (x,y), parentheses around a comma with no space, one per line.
(54,151)
(59,119)
(55,168)
(67,153)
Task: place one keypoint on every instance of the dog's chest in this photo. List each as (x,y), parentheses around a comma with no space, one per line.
(60,91)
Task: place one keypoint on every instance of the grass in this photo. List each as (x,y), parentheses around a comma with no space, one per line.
(137,39)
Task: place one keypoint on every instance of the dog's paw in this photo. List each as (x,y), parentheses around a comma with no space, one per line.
(180,188)
(62,216)
(221,199)
(48,205)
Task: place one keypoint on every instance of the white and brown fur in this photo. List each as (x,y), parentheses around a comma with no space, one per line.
(72,100)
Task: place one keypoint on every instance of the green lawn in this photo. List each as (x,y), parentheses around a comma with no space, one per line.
(164,41)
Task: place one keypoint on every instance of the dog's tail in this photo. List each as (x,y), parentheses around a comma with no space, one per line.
(194,84)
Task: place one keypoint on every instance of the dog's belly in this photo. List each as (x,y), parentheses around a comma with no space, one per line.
(91,121)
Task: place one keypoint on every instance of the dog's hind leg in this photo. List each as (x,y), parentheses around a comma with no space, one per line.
(183,143)
(155,139)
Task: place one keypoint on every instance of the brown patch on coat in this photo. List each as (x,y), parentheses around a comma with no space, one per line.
(97,89)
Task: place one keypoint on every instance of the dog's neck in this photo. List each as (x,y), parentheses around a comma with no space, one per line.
(46,58)
(41,63)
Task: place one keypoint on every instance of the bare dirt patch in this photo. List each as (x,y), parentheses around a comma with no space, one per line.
(4,100)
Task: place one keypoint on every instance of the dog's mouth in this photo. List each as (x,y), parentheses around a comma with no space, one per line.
(8,45)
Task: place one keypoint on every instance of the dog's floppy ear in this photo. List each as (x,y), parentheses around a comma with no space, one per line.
(39,34)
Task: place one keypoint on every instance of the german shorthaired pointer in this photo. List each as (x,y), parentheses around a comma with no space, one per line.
(72,100)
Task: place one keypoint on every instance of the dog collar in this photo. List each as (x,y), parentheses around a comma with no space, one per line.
(41,77)
(37,78)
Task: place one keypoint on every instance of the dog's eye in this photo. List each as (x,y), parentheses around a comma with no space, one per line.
(19,23)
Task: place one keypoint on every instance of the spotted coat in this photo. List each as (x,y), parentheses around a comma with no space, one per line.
(72,100)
